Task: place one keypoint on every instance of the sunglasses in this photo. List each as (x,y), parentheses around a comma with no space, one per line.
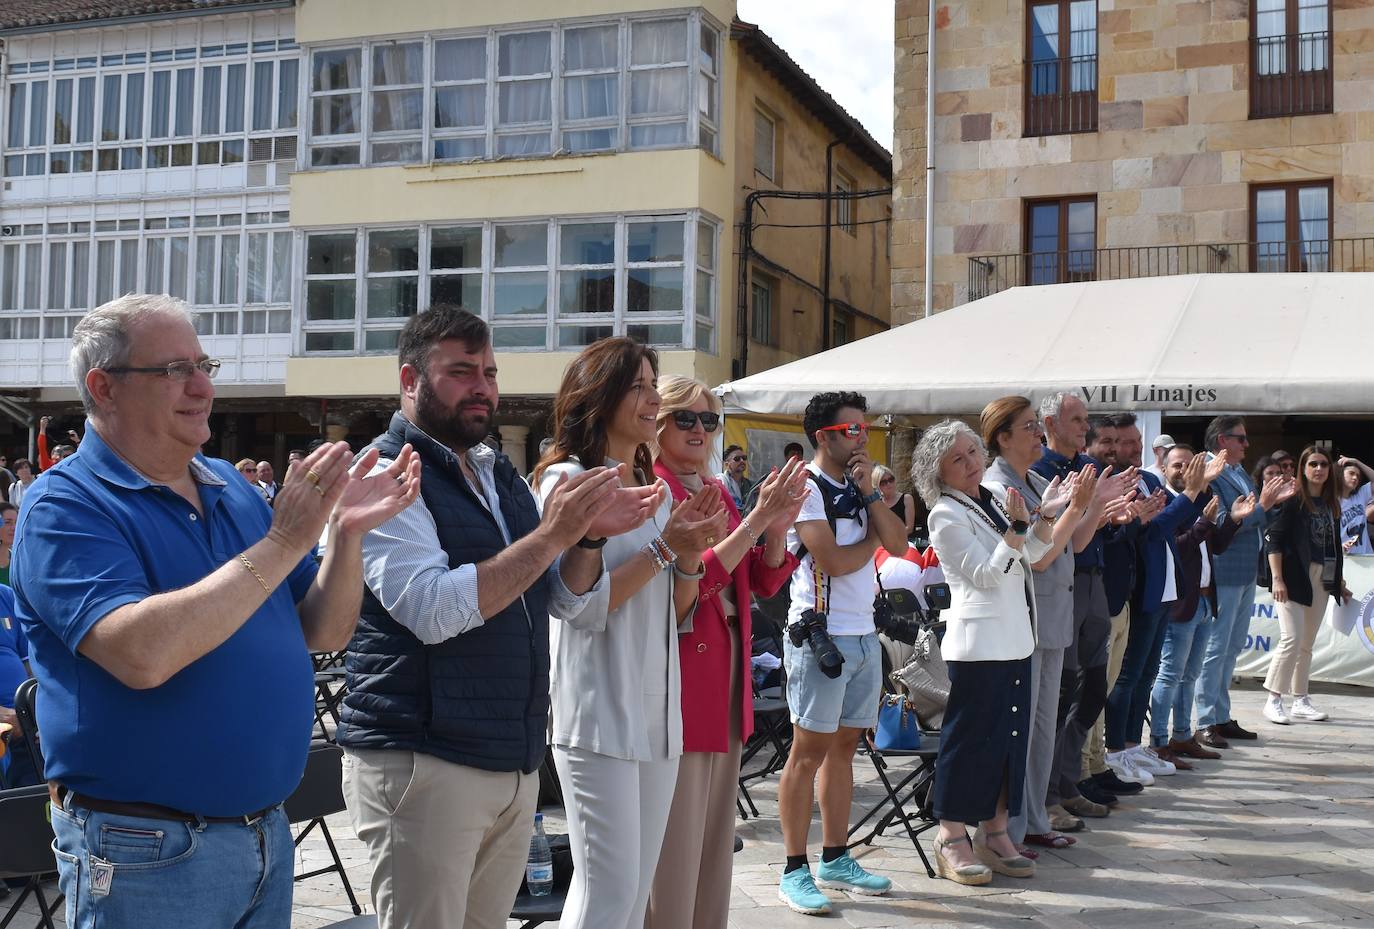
(1242,439)
(686,419)
(851,430)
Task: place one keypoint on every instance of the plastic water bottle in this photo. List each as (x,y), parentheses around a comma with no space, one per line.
(539,868)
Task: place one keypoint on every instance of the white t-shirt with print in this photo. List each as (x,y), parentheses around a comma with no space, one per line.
(851,595)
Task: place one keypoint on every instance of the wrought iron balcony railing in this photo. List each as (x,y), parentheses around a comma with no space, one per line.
(1290,75)
(1061,95)
(989,274)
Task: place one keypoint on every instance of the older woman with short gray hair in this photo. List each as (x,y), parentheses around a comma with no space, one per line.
(986,547)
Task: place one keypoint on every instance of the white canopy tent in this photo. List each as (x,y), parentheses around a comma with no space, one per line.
(1197,343)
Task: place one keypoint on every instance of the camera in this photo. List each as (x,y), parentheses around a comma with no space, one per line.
(812,628)
(898,614)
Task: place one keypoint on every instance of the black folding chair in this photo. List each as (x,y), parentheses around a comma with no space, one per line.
(24,699)
(535,911)
(913,788)
(772,731)
(320,794)
(330,688)
(26,852)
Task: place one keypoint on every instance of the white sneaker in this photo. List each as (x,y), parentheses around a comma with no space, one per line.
(1149,761)
(1124,766)
(1303,709)
(1273,710)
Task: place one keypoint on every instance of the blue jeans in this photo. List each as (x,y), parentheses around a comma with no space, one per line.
(824,704)
(1180,662)
(125,871)
(1235,606)
(1131,696)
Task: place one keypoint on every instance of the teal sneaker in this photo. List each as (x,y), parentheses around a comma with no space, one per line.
(799,892)
(844,873)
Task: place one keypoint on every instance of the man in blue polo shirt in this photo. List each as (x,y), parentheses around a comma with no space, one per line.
(170,614)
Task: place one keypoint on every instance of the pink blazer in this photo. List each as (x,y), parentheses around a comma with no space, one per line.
(704,653)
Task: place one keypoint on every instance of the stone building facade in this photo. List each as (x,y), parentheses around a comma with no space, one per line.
(1122,138)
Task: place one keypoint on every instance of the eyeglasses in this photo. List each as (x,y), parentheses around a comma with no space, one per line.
(177,370)
(686,419)
(851,430)
(1032,426)
(1239,437)
(734,459)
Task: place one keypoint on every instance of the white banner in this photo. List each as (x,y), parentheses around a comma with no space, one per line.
(1336,658)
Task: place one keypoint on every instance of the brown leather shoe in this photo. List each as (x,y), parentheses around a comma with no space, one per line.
(1211,736)
(1190,749)
(1232,730)
(1164,754)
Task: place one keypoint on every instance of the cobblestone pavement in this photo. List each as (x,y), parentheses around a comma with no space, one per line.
(1277,833)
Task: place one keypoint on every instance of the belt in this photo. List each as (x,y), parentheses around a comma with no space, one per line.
(64,799)
(1093,569)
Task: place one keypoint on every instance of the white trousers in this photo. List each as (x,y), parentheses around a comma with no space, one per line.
(617,814)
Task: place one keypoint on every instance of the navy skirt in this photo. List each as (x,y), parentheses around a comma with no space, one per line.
(983,740)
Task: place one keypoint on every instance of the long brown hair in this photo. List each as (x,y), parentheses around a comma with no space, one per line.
(593,386)
(1330,496)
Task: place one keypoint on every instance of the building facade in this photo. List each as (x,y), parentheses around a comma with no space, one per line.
(309,176)
(1093,139)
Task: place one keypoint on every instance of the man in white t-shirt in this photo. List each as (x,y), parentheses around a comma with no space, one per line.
(829,714)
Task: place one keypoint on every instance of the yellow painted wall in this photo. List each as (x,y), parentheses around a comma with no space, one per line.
(337,20)
(737,428)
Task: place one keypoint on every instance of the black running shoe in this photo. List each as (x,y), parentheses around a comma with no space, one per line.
(1109,782)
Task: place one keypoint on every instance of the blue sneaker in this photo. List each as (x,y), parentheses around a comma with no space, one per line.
(799,892)
(844,873)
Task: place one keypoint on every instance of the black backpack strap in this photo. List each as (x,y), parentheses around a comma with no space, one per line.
(830,516)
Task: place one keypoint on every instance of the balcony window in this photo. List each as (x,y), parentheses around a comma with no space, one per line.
(1061,67)
(1291,226)
(538,284)
(1061,238)
(1290,57)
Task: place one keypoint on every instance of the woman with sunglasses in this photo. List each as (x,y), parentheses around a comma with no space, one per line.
(614,681)
(1303,545)
(903,504)
(692,887)
(249,469)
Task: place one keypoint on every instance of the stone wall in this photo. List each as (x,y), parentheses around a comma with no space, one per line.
(1174,155)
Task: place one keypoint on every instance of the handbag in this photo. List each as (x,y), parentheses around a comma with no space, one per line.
(898,729)
(925,678)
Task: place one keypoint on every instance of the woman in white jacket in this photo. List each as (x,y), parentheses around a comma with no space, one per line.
(986,548)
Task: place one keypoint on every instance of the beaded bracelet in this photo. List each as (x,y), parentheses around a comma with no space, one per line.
(658,560)
(666,553)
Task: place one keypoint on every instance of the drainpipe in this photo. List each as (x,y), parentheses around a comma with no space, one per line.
(929,296)
(825,260)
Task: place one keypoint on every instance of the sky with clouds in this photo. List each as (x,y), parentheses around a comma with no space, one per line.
(846,45)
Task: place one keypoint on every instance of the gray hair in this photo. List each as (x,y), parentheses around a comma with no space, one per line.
(930,451)
(101,338)
(1051,405)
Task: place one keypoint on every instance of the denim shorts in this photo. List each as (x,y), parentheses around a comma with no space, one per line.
(822,704)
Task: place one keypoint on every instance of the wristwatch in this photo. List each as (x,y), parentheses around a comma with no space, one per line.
(585,542)
(872,498)
(1020,526)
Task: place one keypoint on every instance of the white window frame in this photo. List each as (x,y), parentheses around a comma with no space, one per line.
(772,161)
(844,205)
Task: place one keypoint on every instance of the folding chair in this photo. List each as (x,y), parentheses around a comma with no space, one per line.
(24,699)
(330,688)
(26,853)
(535,911)
(320,794)
(772,729)
(914,787)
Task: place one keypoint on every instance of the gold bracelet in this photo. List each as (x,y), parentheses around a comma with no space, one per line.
(249,565)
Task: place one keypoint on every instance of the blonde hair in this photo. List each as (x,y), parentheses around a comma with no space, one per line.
(678,392)
(246,463)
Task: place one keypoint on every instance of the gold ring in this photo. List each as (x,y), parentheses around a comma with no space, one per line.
(312,476)
(710,540)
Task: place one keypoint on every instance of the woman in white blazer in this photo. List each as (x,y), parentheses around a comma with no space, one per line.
(986,548)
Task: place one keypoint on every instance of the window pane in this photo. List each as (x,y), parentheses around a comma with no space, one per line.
(337,69)
(663,334)
(176,277)
(209,101)
(186,82)
(395,152)
(590,140)
(397,250)
(521,246)
(397,64)
(657,290)
(658,42)
(81,276)
(229,269)
(706,339)
(518,293)
(278,320)
(234,78)
(255,282)
(464,105)
(705,295)
(459,247)
(658,92)
(255,322)
(38,113)
(329,341)
(706,246)
(337,115)
(154,265)
(62,113)
(85,110)
(281,267)
(104,271)
(33,275)
(287,78)
(381,340)
(523,53)
(57,276)
(582,336)
(397,110)
(262,95)
(519,102)
(109,108)
(586,292)
(133,106)
(162,105)
(1314,227)
(528,143)
(460,60)
(334,155)
(592,97)
(590,49)
(655,241)
(205,270)
(587,244)
(464,290)
(330,300)
(518,337)
(14,137)
(391,297)
(763,145)
(1044,243)
(453,149)
(331,253)
(9,279)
